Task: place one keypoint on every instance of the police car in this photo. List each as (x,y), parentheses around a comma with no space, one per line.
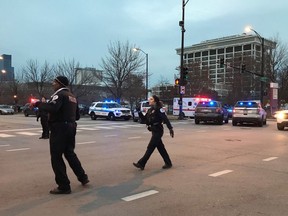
(108,110)
(282,119)
(249,112)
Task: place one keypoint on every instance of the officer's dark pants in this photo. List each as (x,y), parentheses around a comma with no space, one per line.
(62,141)
(45,126)
(155,142)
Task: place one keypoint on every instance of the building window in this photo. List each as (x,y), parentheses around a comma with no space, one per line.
(213,52)
(229,49)
(238,48)
(205,53)
(220,51)
(197,54)
(247,47)
(190,55)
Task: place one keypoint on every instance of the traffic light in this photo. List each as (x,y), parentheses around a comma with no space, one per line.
(243,68)
(221,62)
(177,81)
(184,76)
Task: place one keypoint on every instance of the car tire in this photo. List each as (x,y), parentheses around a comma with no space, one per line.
(93,116)
(220,122)
(197,121)
(111,116)
(260,123)
(135,120)
(280,126)
(234,123)
(126,118)
(26,114)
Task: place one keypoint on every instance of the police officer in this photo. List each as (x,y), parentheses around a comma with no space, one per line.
(43,115)
(154,119)
(63,112)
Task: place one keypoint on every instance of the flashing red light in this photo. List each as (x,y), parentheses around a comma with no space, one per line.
(203,99)
(33,100)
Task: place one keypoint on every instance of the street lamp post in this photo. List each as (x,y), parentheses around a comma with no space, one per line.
(262,40)
(146,55)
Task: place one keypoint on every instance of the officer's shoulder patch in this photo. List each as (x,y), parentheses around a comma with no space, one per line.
(162,110)
(55,97)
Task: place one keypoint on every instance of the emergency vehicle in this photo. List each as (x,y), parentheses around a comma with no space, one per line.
(188,105)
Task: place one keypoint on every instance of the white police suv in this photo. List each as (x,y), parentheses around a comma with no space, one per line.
(109,110)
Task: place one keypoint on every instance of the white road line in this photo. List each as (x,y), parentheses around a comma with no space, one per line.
(140,195)
(6,135)
(269,159)
(120,126)
(201,131)
(139,137)
(220,173)
(111,135)
(4,145)
(84,143)
(27,133)
(101,127)
(91,129)
(21,149)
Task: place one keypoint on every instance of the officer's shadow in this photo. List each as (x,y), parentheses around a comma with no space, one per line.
(107,195)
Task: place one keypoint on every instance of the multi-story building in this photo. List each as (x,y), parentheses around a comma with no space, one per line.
(6,69)
(236,50)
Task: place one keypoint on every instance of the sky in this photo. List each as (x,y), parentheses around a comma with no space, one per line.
(57,30)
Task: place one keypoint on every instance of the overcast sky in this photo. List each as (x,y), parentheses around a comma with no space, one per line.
(55,30)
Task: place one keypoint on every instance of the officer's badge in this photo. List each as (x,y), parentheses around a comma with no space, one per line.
(55,97)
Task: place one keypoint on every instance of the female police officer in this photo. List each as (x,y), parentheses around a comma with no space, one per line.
(154,119)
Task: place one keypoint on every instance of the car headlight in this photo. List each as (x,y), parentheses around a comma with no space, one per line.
(279,115)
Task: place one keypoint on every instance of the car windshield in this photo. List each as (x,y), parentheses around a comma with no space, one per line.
(247,104)
(208,104)
(5,106)
(112,105)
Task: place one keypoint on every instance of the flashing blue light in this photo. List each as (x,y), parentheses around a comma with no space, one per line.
(249,103)
(241,103)
(211,103)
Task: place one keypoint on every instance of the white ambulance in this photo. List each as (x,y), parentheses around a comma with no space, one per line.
(188,105)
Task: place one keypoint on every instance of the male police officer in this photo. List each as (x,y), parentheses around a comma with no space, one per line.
(63,113)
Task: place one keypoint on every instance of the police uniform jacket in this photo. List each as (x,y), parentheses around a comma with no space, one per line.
(155,117)
(62,107)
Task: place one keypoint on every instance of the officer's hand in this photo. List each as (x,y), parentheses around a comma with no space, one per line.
(171,133)
(149,128)
(37,119)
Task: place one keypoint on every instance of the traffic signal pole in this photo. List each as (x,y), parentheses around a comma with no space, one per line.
(181,24)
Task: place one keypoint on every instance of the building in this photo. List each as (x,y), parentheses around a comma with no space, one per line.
(6,69)
(237,51)
(88,76)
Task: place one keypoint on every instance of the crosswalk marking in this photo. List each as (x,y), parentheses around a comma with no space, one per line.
(269,159)
(139,195)
(20,149)
(27,133)
(6,135)
(220,173)
(89,129)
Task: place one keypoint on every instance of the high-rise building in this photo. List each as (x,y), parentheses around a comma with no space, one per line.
(235,51)
(6,69)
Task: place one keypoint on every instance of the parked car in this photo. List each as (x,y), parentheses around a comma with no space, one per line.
(109,110)
(83,109)
(143,106)
(249,112)
(29,109)
(6,109)
(211,111)
(282,119)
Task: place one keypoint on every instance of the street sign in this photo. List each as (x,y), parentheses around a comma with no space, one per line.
(182,89)
(264,79)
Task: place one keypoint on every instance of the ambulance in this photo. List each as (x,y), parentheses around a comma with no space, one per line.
(188,105)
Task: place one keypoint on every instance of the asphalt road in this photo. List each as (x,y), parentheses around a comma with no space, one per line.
(217,171)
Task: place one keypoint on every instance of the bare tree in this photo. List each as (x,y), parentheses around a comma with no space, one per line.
(79,77)
(118,67)
(38,75)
